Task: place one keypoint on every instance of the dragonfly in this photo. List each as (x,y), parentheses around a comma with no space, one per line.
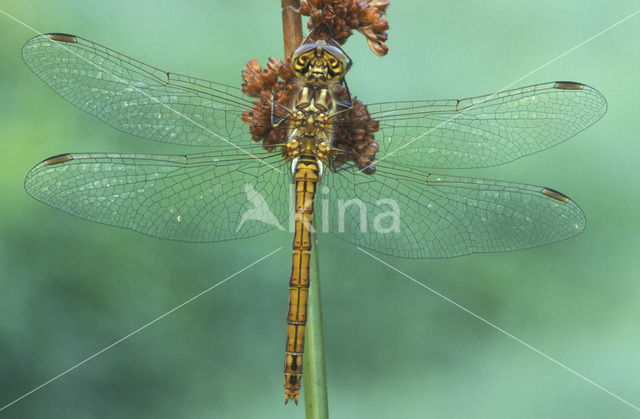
(233,188)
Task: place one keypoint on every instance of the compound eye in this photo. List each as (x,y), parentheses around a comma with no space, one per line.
(302,60)
(300,63)
(335,66)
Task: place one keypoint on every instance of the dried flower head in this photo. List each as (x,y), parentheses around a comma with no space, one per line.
(354,135)
(341,17)
(262,84)
(276,86)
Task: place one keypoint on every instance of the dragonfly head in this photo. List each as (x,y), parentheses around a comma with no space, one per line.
(320,61)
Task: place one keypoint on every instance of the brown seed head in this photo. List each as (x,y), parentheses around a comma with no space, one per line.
(355,136)
(341,17)
(262,84)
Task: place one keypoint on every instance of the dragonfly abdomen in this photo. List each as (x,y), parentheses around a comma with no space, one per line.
(306,176)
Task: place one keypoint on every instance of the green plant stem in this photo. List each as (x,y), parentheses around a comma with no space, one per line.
(314,375)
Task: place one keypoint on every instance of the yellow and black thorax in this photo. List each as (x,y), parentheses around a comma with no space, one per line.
(319,68)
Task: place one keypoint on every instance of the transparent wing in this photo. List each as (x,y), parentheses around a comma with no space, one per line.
(415,214)
(134,97)
(203,197)
(486,130)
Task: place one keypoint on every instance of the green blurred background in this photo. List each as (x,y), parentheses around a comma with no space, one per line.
(69,287)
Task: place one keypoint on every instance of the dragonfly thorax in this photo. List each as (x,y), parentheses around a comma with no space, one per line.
(310,134)
(311,96)
(311,123)
(322,94)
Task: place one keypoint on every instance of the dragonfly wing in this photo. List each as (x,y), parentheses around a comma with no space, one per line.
(424,215)
(486,130)
(135,97)
(198,198)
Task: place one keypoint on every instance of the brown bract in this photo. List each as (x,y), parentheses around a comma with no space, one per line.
(354,134)
(262,84)
(341,17)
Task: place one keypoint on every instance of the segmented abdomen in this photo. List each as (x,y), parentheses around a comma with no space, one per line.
(306,177)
